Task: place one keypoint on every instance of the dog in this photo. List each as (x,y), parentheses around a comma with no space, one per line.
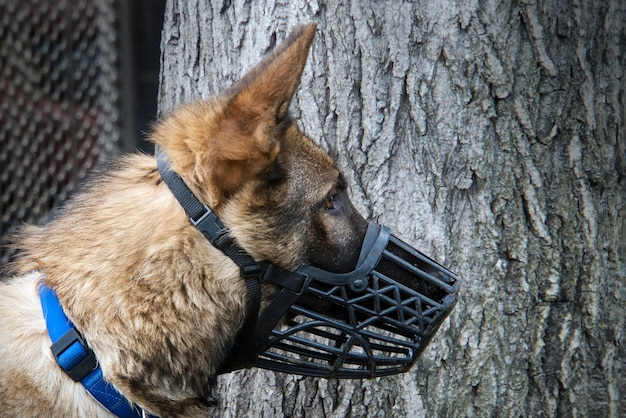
(155,303)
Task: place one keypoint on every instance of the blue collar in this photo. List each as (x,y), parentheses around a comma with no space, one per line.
(78,360)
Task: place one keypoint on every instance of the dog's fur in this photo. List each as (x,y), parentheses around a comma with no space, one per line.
(155,301)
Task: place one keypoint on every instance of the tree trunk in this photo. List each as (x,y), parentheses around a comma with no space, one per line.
(491,136)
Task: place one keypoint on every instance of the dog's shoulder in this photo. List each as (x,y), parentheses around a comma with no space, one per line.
(30,379)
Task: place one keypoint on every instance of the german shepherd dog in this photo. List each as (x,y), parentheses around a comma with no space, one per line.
(155,301)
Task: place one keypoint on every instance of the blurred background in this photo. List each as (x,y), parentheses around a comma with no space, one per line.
(78,84)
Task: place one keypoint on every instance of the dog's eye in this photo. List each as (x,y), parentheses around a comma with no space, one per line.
(330,202)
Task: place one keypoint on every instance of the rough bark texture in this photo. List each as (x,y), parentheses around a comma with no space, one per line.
(491,136)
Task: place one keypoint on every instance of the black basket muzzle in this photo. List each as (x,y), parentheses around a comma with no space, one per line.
(374,321)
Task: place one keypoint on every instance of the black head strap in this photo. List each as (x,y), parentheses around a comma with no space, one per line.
(252,337)
(203,218)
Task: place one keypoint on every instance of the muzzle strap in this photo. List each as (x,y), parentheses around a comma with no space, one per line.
(293,281)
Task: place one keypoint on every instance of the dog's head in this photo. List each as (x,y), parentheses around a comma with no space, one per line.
(284,201)
(281,195)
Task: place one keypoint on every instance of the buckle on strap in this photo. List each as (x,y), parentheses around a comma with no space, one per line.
(264,271)
(74,355)
(295,282)
(210,225)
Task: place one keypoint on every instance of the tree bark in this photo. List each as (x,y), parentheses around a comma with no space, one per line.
(491,136)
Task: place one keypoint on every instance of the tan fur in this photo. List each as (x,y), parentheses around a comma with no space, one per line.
(124,277)
(155,301)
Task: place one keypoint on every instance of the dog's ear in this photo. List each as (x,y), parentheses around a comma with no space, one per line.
(248,137)
(267,89)
(220,145)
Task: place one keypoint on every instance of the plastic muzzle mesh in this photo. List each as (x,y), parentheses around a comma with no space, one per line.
(374,321)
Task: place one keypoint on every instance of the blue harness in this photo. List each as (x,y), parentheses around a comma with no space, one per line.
(78,360)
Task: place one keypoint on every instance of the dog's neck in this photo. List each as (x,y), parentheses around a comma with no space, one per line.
(203,218)
(252,337)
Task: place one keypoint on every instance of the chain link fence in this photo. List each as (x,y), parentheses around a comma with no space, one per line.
(61,100)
